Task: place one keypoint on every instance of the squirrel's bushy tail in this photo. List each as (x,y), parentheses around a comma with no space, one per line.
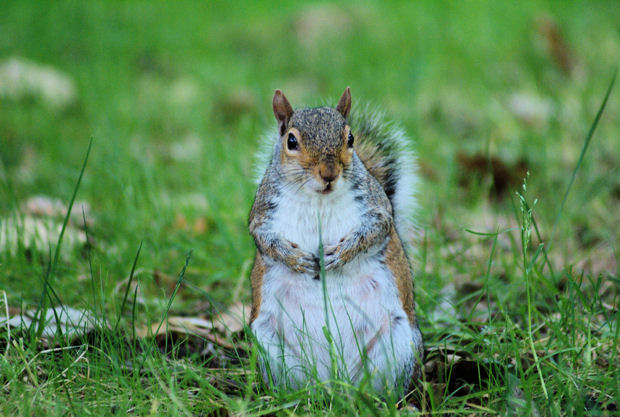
(386,152)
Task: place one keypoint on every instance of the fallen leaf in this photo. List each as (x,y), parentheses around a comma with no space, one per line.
(233,319)
(71,322)
(504,175)
(20,79)
(200,225)
(530,108)
(45,206)
(194,326)
(555,43)
(39,234)
(218,330)
(189,149)
(183,92)
(180,222)
(233,105)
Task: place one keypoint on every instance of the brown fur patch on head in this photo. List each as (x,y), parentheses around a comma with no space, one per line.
(346,154)
(302,156)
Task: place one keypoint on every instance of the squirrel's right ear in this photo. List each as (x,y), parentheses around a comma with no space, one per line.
(344,104)
(282,109)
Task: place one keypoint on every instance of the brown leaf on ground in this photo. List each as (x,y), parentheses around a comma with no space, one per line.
(220,329)
(428,171)
(180,222)
(164,280)
(555,43)
(196,226)
(45,206)
(503,174)
(530,108)
(21,79)
(38,233)
(232,105)
(233,319)
(200,225)
(59,321)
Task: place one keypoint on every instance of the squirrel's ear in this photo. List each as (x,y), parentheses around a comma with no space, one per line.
(282,109)
(344,104)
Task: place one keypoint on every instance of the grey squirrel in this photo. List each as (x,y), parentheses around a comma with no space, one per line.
(350,179)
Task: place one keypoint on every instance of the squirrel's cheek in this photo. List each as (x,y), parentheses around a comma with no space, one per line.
(346,156)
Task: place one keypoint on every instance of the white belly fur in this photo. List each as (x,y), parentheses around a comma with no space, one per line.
(364,309)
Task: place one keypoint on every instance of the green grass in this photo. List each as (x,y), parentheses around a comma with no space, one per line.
(517,295)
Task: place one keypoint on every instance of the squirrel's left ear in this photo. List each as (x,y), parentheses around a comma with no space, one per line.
(344,104)
(282,109)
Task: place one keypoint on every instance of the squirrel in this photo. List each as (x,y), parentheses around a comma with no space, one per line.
(347,179)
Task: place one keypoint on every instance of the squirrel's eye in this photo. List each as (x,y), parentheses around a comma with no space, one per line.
(291,142)
(350,140)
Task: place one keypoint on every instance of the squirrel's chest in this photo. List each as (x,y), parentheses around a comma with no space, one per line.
(298,219)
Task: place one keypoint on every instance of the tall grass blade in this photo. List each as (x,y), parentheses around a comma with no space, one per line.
(174,292)
(131,275)
(50,272)
(165,316)
(326,329)
(90,265)
(133,316)
(583,152)
(526,233)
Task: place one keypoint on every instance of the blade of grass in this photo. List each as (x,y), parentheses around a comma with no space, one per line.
(165,316)
(90,266)
(68,395)
(8,327)
(586,143)
(174,292)
(49,293)
(326,329)
(50,272)
(487,277)
(615,348)
(526,232)
(133,316)
(131,275)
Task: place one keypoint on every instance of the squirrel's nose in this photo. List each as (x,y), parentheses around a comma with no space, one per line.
(328,172)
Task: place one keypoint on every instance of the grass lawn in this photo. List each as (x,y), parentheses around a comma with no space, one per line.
(517,286)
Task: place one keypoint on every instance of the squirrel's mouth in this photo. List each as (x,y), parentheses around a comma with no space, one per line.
(328,189)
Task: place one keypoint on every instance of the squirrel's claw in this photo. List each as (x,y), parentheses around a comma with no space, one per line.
(301,261)
(306,265)
(333,258)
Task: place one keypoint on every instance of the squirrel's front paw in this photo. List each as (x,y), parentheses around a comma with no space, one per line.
(333,257)
(301,261)
(306,264)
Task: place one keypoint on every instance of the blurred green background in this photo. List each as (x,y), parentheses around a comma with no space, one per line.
(177,96)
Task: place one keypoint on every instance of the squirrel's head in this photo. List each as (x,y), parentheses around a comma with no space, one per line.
(316,143)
